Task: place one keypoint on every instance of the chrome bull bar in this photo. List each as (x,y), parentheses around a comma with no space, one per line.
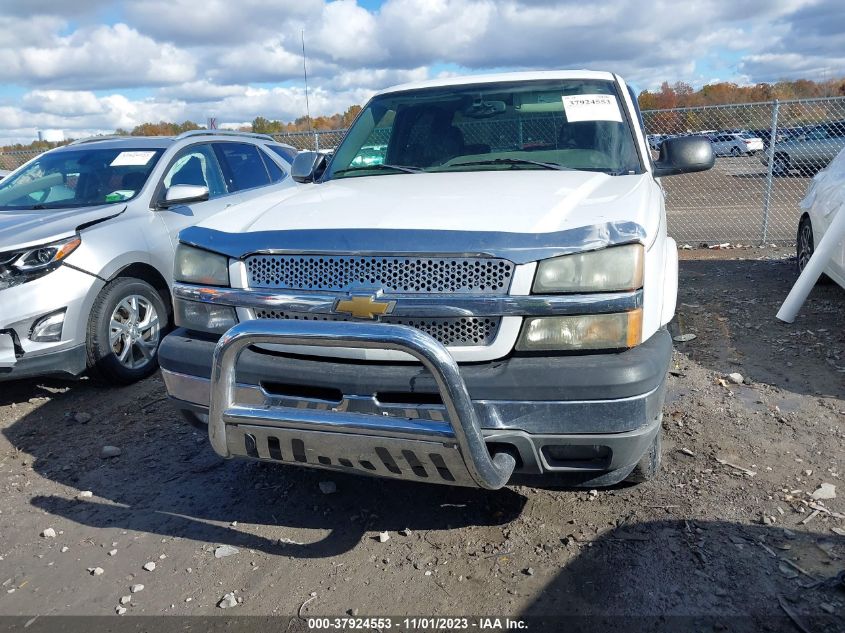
(452,452)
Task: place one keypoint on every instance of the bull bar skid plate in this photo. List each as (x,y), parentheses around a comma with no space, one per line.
(450,452)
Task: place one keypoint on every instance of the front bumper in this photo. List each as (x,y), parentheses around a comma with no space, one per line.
(23,305)
(604,408)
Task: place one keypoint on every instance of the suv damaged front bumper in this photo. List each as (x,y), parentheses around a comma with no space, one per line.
(591,416)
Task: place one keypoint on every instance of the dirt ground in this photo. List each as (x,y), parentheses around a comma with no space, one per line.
(725,539)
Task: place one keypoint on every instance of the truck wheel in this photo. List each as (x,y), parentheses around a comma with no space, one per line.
(198,420)
(125,328)
(649,464)
(780,165)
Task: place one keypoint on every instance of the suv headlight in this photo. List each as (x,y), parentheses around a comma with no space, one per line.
(617,268)
(17,267)
(196,266)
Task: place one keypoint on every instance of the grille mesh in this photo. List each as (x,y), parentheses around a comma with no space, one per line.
(423,275)
(450,331)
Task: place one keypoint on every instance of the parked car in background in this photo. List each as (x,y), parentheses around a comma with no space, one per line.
(87,236)
(825,198)
(736,144)
(810,152)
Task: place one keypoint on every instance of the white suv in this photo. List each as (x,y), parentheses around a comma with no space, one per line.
(87,236)
(489,298)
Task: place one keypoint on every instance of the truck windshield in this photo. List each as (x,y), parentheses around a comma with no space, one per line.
(78,178)
(544,124)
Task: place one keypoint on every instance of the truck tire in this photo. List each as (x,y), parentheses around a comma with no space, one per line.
(649,464)
(781,165)
(125,327)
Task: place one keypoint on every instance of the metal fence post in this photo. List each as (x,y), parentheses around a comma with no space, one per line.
(767,196)
(316,142)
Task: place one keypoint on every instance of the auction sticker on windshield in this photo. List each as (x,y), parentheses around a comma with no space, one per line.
(132,158)
(591,107)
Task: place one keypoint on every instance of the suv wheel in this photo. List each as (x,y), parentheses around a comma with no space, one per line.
(124,330)
(805,246)
(649,464)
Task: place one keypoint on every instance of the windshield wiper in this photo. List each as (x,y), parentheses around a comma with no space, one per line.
(404,168)
(513,161)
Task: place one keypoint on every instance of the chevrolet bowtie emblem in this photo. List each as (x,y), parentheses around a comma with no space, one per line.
(363,306)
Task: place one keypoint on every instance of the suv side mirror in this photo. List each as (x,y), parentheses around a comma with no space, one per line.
(183,194)
(684,155)
(308,166)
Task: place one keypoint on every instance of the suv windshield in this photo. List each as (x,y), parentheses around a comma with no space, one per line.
(542,124)
(81,177)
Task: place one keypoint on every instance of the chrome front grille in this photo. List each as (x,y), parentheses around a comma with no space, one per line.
(449,331)
(416,275)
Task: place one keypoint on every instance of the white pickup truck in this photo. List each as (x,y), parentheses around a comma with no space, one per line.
(485,296)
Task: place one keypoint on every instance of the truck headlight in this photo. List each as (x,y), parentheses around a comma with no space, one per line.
(196,266)
(204,317)
(583,332)
(617,268)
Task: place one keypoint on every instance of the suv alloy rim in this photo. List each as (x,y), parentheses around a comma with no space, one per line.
(134,331)
(805,245)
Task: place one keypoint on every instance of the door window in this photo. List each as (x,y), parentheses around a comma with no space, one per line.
(242,165)
(277,174)
(196,165)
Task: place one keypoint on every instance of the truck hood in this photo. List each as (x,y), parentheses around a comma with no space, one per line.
(523,216)
(22,229)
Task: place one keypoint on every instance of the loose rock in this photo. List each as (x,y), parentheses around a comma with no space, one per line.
(684,338)
(383,537)
(64,549)
(96,571)
(120,610)
(149,566)
(136,588)
(328,487)
(529,571)
(825,491)
(85,494)
(110,451)
(225,550)
(228,601)
(125,599)
(112,552)
(736,378)
(49,533)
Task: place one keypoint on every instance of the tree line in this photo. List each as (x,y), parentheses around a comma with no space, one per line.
(683,95)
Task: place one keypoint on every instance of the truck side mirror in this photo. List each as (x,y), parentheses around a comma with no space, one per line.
(308,166)
(684,155)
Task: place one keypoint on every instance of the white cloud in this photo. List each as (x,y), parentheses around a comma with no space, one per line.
(100,57)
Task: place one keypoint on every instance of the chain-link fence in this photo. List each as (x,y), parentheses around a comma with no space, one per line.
(751,196)
(13,160)
(316,140)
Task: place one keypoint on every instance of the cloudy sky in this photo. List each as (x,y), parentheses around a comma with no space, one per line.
(85,66)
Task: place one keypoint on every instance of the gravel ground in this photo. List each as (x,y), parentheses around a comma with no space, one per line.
(726,538)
